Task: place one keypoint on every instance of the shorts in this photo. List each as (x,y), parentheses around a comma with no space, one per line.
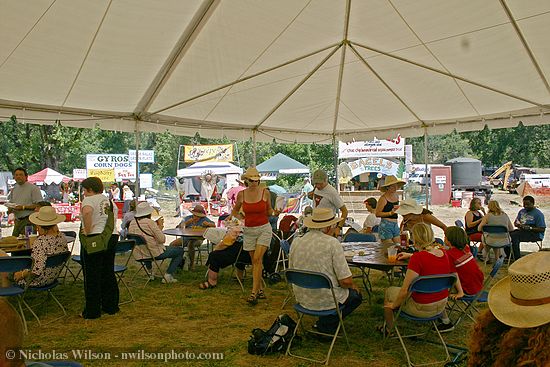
(413,308)
(388,230)
(256,236)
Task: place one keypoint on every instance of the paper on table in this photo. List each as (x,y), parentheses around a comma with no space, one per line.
(356,226)
(360,259)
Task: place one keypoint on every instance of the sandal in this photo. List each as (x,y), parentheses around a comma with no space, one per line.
(206,285)
(252,299)
(261,294)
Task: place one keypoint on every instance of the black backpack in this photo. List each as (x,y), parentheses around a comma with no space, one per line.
(275,339)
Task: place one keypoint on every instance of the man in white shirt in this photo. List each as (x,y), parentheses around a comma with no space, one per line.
(23,199)
(326,196)
(317,251)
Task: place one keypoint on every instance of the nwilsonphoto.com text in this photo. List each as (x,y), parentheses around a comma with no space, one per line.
(115,355)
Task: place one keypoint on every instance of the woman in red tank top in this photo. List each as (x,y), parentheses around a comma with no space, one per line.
(256,206)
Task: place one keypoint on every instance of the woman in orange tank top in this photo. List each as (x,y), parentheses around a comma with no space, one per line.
(256,206)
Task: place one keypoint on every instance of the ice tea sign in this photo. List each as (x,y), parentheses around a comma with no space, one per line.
(109,167)
(375,148)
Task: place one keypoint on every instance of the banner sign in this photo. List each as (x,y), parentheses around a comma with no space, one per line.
(79,173)
(381,165)
(118,165)
(375,148)
(208,153)
(104,174)
(145,156)
(146,180)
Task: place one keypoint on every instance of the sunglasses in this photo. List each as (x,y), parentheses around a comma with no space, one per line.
(254,181)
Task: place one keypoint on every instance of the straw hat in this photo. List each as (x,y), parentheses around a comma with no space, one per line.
(46,216)
(321,218)
(251,174)
(409,206)
(143,209)
(390,180)
(522,299)
(199,211)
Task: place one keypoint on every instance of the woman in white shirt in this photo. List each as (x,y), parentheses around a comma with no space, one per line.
(100,285)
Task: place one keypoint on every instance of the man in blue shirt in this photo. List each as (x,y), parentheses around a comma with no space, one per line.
(530,224)
(197,219)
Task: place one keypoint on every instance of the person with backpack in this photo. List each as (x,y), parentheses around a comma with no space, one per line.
(98,251)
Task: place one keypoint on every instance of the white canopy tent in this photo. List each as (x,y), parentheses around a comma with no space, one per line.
(217,168)
(291,70)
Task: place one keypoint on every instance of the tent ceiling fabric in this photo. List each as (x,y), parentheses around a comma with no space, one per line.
(291,70)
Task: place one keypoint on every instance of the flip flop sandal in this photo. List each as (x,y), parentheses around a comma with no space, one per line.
(252,299)
(261,294)
(207,285)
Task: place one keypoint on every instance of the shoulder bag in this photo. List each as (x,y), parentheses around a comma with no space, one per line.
(99,242)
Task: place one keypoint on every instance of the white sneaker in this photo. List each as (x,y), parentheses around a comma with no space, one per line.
(168,278)
(150,274)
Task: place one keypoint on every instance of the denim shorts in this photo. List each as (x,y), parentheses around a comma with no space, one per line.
(388,229)
(256,236)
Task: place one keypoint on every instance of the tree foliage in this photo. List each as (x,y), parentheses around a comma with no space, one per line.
(64,148)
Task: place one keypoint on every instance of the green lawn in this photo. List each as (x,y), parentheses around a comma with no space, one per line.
(181,317)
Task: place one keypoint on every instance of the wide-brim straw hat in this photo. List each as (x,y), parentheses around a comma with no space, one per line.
(251,174)
(199,211)
(46,216)
(409,206)
(522,299)
(321,218)
(143,209)
(390,180)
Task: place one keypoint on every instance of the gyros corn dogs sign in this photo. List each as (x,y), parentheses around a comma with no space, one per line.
(109,167)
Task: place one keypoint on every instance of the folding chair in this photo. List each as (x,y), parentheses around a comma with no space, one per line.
(425,284)
(142,244)
(67,267)
(240,260)
(500,241)
(284,250)
(124,247)
(56,263)
(314,280)
(466,305)
(12,264)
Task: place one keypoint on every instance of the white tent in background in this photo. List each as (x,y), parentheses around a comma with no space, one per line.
(290,70)
(217,168)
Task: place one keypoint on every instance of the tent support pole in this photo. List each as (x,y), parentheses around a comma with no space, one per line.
(426,182)
(254,147)
(137,158)
(335,154)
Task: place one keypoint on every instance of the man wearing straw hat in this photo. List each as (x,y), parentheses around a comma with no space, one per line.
(326,196)
(198,219)
(318,251)
(515,331)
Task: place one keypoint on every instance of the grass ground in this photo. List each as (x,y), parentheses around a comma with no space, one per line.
(181,317)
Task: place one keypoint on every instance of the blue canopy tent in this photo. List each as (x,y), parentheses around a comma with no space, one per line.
(280,164)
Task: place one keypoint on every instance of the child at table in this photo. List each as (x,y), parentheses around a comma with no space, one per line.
(462,261)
